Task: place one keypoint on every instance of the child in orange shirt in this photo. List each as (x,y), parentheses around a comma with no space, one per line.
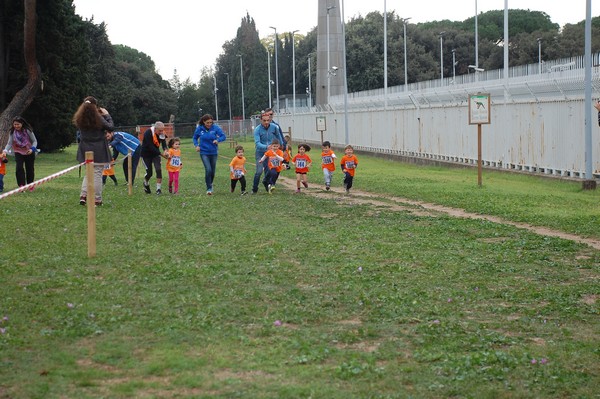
(327,163)
(302,162)
(109,171)
(174,164)
(3,162)
(287,152)
(275,164)
(349,163)
(237,170)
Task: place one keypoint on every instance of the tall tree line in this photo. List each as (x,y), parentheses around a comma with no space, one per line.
(76,59)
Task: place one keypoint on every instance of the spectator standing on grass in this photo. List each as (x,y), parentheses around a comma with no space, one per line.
(206,139)
(264,134)
(22,143)
(327,163)
(237,170)
(122,142)
(302,162)
(3,162)
(274,157)
(154,138)
(174,164)
(348,163)
(92,120)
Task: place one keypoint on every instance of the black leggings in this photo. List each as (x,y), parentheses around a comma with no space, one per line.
(148,163)
(29,170)
(242,183)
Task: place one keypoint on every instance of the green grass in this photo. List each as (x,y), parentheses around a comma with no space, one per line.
(184,293)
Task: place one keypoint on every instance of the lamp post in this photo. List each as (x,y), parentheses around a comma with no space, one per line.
(293,74)
(216,89)
(276,68)
(309,88)
(539,40)
(329,8)
(476,45)
(453,66)
(269,72)
(404,21)
(228,95)
(385,60)
(242,83)
(442,57)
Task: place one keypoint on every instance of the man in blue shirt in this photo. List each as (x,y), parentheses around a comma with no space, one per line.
(263,137)
(122,142)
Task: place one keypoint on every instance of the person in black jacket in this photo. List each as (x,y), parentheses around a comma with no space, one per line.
(154,138)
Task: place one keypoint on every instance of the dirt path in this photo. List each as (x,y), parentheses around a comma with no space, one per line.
(426,209)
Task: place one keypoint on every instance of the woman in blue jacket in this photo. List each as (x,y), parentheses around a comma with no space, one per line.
(206,140)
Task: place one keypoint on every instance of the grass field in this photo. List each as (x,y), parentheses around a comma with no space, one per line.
(300,296)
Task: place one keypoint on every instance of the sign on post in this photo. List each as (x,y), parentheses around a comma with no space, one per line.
(479,114)
(321,125)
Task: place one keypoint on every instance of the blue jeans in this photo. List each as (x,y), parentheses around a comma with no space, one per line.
(210,167)
(260,168)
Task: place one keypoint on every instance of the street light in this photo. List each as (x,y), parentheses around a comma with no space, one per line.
(539,40)
(228,95)
(242,82)
(269,72)
(442,57)
(385,59)
(293,74)
(329,8)
(476,43)
(309,88)
(454,66)
(276,68)
(404,21)
(216,89)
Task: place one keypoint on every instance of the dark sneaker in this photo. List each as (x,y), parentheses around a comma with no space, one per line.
(305,184)
(147,188)
(170,189)
(244,192)
(158,191)
(327,188)
(82,200)
(98,202)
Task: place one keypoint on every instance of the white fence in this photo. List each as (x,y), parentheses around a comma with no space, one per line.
(537,121)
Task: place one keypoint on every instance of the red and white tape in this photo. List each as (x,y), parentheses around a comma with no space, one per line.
(35,184)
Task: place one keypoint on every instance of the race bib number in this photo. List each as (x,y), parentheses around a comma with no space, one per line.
(327,160)
(176,161)
(275,162)
(301,163)
(350,165)
(238,173)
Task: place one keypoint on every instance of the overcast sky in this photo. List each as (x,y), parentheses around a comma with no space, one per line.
(188,35)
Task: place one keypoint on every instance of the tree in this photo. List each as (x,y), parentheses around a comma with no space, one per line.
(25,96)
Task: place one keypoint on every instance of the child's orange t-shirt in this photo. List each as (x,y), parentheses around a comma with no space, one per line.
(174,163)
(301,162)
(274,163)
(349,163)
(327,160)
(110,170)
(239,170)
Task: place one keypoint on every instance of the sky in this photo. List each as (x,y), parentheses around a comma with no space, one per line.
(188,35)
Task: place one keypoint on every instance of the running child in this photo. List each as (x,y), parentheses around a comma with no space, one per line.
(287,152)
(348,163)
(174,164)
(109,171)
(3,162)
(302,162)
(275,164)
(237,170)
(327,163)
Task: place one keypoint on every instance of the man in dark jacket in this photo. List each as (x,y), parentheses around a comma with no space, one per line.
(153,139)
